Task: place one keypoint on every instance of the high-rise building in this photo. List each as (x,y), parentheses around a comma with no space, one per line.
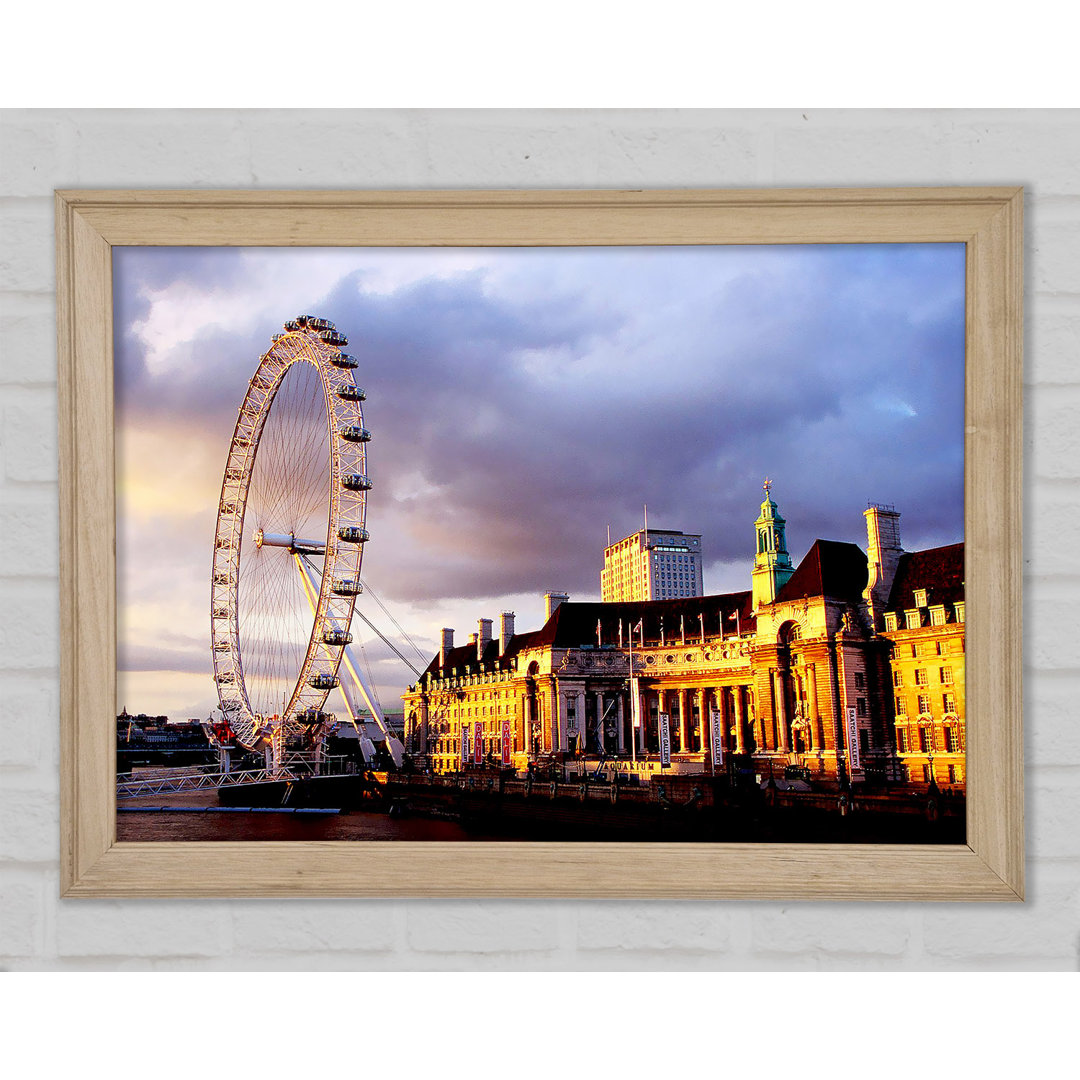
(652,564)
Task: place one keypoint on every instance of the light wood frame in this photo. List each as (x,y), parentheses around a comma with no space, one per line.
(988,220)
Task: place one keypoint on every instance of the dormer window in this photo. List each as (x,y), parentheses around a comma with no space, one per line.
(937,615)
(920,598)
(959,611)
(890,620)
(913,619)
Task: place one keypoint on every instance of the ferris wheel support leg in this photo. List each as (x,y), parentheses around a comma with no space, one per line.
(393,746)
(359,683)
(311,591)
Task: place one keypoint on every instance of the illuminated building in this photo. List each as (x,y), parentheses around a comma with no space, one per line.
(849,665)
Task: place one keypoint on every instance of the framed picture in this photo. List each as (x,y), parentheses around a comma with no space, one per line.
(755,709)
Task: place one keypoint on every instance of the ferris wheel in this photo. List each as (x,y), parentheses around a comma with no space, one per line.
(290,537)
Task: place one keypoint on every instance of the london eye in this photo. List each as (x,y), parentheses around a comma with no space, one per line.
(289,539)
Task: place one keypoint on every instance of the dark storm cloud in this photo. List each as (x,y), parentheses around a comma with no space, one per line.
(842,385)
(518,413)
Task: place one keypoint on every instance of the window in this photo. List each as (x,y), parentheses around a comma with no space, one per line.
(920,677)
(952,774)
(920,598)
(946,675)
(948,702)
(937,615)
(914,650)
(860,680)
(926,774)
(926,739)
(959,611)
(952,743)
(898,678)
(860,706)
(913,619)
(901,706)
(890,620)
(924,704)
(901,741)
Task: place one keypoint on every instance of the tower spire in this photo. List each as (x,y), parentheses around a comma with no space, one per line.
(772,563)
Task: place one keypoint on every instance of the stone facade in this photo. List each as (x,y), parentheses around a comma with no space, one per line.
(832,666)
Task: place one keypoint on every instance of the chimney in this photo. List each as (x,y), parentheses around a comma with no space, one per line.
(883,553)
(445,645)
(551,601)
(506,630)
(482,638)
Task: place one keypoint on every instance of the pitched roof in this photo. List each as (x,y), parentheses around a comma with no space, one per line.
(574,624)
(829,568)
(940,571)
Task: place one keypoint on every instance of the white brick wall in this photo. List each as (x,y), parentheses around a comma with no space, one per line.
(46,149)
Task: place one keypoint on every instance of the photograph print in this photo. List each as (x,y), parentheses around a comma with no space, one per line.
(644,544)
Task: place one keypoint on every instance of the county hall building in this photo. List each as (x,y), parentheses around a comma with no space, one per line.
(849,664)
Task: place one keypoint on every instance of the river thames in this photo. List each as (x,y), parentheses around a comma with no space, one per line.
(198,817)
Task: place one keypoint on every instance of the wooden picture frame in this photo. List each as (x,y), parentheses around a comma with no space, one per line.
(990,866)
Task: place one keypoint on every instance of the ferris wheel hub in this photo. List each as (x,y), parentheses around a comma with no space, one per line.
(288,540)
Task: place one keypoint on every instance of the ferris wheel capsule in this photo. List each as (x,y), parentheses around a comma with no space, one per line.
(353,534)
(347,587)
(356,482)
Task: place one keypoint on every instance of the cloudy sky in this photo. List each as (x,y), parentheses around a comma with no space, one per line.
(521,401)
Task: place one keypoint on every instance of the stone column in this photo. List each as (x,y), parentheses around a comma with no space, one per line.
(740,720)
(620,720)
(642,742)
(781,711)
(730,719)
(581,718)
(704,708)
(558,719)
(684,721)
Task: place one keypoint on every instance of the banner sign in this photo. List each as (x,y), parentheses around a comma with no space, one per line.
(506,742)
(635,704)
(464,744)
(478,745)
(716,736)
(853,739)
(665,739)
